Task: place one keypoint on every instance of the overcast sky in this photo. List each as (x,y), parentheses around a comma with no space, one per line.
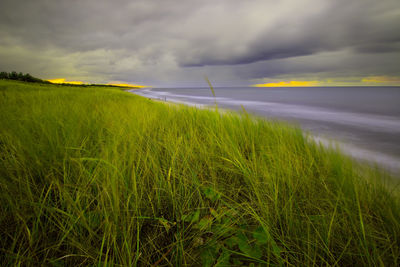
(177,42)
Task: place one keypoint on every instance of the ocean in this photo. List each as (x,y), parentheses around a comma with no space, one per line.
(363,122)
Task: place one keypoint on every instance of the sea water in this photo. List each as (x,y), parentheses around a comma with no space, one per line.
(363,121)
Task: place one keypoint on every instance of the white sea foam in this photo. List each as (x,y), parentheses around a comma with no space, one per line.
(364,121)
(369,121)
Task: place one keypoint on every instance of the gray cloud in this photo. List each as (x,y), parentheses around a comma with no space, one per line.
(311,27)
(166,41)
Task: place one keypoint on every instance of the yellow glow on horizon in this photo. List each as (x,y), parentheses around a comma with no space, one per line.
(62,80)
(381,79)
(288,84)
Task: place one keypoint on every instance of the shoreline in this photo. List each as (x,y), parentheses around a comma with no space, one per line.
(388,163)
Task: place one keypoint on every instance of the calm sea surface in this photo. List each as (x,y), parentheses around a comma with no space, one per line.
(364,121)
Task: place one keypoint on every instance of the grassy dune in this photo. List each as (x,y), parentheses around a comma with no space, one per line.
(100,177)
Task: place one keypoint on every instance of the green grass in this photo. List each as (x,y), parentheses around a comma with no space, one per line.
(100,177)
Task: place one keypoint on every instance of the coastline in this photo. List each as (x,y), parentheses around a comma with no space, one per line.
(386,162)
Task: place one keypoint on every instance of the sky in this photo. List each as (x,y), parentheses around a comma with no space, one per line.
(175,43)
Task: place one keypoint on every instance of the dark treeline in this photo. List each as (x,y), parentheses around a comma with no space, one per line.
(20,77)
(29,78)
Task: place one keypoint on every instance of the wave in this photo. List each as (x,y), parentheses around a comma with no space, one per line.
(372,122)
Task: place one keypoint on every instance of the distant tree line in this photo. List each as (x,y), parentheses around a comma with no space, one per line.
(29,78)
(20,77)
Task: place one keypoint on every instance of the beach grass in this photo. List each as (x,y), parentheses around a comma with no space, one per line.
(95,176)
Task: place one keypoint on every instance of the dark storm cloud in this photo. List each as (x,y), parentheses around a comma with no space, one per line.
(323,65)
(127,39)
(365,26)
